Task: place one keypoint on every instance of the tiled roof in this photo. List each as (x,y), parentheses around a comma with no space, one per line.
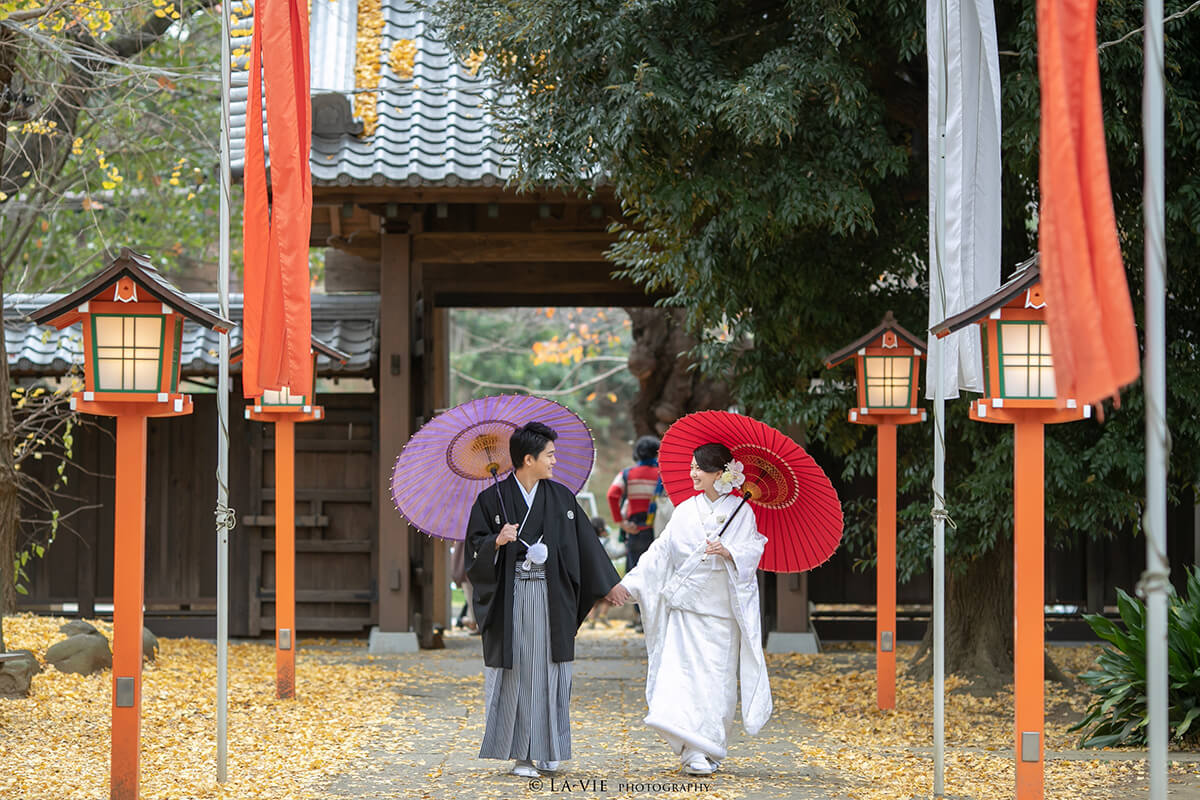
(433,130)
(139,268)
(349,323)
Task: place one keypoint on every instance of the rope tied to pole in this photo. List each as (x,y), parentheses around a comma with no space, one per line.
(942,514)
(226,517)
(1154,581)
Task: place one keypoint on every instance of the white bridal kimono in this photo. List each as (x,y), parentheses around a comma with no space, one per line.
(702,627)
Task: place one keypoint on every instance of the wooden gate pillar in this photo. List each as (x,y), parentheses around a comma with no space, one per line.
(394,633)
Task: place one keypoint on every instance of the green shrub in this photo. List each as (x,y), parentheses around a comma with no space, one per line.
(1117,714)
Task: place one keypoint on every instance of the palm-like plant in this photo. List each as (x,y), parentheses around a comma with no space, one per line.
(1118,713)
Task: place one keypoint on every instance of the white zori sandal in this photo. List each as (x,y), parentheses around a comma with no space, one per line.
(697,764)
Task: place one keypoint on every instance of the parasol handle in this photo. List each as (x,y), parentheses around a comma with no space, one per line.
(725,527)
(745,497)
(500,496)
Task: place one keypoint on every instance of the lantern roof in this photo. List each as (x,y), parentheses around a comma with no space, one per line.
(1027,275)
(320,347)
(889,323)
(138,268)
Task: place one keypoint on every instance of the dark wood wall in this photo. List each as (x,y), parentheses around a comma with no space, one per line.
(335,508)
(1085,574)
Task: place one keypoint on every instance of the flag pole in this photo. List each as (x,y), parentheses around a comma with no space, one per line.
(937,356)
(225,516)
(1156,579)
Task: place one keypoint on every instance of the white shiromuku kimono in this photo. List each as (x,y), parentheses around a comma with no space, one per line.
(702,627)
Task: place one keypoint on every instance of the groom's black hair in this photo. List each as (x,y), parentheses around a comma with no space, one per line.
(529,439)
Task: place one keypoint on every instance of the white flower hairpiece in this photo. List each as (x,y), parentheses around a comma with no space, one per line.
(731,478)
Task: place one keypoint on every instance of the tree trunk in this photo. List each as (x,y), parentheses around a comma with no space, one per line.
(10,508)
(9,513)
(979,626)
(668,386)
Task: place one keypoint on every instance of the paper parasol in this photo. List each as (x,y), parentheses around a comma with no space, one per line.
(794,503)
(455,455)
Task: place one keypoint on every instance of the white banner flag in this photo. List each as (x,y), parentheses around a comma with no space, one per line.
(964,90)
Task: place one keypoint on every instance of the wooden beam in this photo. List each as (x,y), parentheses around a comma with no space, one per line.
(395,426)
(468,248)
(439,385)
(530,284)
(345,272)
(336,195)
(301,521)
(362,243)
(791,598)
(340,623)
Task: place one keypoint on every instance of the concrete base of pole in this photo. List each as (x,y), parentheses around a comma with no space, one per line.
(392,642)
(778,642)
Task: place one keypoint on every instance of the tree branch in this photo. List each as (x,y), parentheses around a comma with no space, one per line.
(92,59)
(539,392)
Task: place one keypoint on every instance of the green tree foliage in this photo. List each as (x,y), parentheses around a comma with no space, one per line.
(771,159)
(108,134)
(117,144)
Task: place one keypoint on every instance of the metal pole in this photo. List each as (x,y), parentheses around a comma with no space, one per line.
(939,435)
(224,514)
(1155,580)
(939,580)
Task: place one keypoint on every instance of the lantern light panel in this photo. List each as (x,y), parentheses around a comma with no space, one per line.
(889,381)
(128,352)
(1026,365)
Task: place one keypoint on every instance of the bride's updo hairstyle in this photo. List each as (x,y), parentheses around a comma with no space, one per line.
(712,457)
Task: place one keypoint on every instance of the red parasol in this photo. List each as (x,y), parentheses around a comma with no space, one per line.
(794,503)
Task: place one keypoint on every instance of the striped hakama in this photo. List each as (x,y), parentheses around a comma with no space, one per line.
(527,708)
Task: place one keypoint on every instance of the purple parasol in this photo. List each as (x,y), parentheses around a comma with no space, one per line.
(455,455)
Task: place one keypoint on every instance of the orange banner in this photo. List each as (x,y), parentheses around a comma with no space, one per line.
(1088,311)
(277,315)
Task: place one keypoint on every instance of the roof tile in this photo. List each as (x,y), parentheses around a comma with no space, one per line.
(433,129)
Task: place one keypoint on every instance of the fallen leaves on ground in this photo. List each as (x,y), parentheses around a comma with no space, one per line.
(888,754)
(378,728)
(56,742)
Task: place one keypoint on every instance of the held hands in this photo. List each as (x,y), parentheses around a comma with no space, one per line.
(617,596)
(507,534)
(629,527)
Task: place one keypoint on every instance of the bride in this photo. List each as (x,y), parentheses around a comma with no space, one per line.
(699,599)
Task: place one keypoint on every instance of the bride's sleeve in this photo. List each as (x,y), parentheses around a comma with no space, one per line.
(747,547)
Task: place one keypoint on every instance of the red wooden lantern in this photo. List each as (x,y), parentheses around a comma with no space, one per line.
(132,322)
(1019,380)
(887,361)
(1021,391)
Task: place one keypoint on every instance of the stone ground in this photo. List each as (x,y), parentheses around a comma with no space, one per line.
(614,754)
(439,724)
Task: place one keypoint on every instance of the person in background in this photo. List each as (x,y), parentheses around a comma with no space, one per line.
(599,611)
(458,574)
(632,498)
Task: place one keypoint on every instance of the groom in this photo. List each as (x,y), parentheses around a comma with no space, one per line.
(537,568)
